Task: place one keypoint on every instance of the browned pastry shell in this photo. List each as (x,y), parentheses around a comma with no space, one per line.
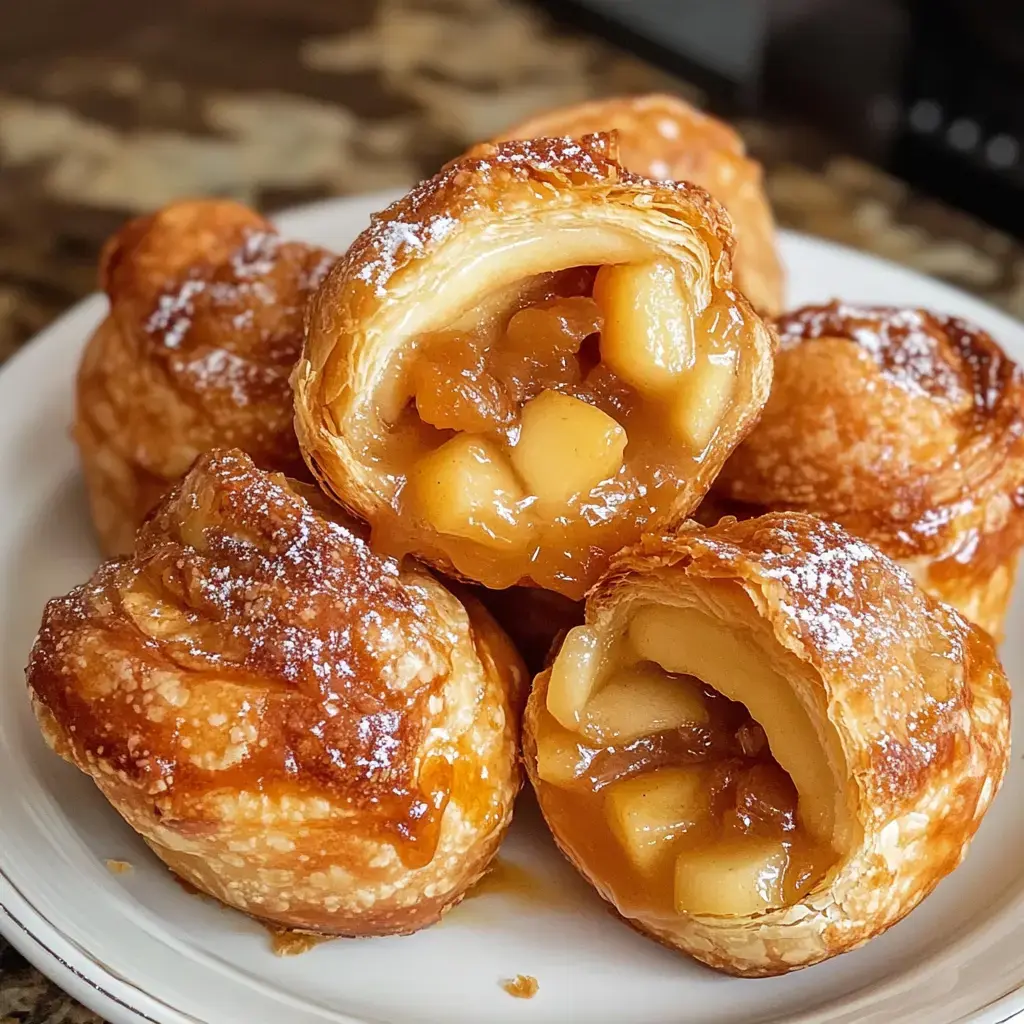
(481,226)
(205,325)
(908,428)
(310,733)
(663,137)
(907,700)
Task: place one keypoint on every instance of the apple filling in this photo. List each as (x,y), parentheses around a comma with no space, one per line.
(668,793)
(541,430)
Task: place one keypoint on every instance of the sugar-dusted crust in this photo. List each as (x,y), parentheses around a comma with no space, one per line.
(205,325)
(483,223)
(914,694)
(663,137)
(908,428)
(307,731)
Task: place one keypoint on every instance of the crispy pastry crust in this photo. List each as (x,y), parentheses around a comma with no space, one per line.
(915,694)
(427,259)
(662,137)
(205,325)
(908,428)
(304,730)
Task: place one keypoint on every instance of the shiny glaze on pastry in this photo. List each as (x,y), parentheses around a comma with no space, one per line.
(767,744)
(528,360)
(309,732)
(908,428)
(662,137)
(205,325)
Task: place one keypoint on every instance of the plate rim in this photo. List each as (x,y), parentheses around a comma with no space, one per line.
(120,1000)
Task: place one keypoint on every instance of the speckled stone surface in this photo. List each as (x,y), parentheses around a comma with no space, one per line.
(115,106)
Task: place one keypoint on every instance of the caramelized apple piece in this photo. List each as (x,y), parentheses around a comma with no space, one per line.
(647,337)
(574,675)
(466,488)
(702,400)
(765,801)
(556,327)
(647,812)
(688,641)
(455,391)
(639,701)
(561,759)
(731,879)
(566,447)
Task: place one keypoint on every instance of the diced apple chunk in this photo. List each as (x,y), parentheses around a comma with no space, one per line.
(689,641)
(574,675)
(560,757)
(702,400)
(647,812)
(734,880)
(466,488)
(639,701)
(647,337)
(566,447)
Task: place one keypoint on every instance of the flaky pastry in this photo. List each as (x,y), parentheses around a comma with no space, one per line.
(908,428)
(767,744)
(663,137)
(529,359)
(205,326)
(308,732)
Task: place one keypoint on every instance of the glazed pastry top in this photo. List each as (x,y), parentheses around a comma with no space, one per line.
(253,642)
(899,422)
(210,301)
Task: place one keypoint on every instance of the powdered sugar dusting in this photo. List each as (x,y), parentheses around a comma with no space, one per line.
(411,227)
(253,612)
(234,329)
(172,318)
(828,575)
(908,345)
(218,368)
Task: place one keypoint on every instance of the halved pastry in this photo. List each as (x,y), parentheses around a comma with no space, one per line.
(663,137)
(308,732)
(205,326)
(767,744)
(908,428)
(527,360)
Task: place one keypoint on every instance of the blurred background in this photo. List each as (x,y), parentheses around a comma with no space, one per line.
(890,125)
(893,126)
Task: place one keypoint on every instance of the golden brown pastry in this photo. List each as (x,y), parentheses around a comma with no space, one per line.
(306,731)
(662,137)
(908,428)
(205,326)
(527,360)
(767,744)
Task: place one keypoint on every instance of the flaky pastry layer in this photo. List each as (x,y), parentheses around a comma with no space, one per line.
(205,326)
(310,733)
(908,428)
(664,138)
(907,702)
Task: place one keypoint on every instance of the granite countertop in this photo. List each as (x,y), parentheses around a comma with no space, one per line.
(114,107)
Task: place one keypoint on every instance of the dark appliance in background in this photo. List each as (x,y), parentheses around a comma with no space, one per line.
(932,90)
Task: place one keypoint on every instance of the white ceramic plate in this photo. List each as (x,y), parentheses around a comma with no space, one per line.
(136,947)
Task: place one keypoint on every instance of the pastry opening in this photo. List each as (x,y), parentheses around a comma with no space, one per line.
(674,797)
(542,428)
